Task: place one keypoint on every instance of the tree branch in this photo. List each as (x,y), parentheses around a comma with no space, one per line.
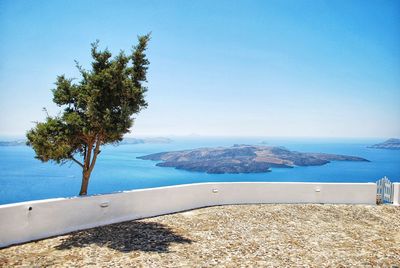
(82,138)
(76,161)
(96,152)
(88,156)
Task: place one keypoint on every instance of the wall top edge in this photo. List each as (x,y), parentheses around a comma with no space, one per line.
(215,184)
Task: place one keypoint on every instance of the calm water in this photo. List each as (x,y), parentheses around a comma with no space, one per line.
(24,178)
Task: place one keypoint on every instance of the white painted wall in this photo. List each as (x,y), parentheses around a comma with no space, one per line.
(63,215)
(396,193)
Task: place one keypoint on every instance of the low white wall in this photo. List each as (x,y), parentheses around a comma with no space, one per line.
(22,222)
(396,193)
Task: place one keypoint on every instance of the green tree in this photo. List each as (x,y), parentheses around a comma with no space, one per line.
(97,110)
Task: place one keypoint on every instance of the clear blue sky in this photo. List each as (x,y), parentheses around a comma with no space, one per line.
(253,68)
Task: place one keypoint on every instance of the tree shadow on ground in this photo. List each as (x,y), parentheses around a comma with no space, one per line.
(126,237)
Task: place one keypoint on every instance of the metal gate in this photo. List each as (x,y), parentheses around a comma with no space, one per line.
(384,192)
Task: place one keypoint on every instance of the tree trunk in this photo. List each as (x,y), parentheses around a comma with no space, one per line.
(85,182)
(89,163)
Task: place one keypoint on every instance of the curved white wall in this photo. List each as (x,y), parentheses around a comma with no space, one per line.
(22,222)
(396,193)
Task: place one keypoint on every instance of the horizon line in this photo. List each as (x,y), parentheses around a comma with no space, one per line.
(22,136)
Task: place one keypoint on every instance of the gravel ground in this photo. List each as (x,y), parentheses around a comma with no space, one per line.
(229,236)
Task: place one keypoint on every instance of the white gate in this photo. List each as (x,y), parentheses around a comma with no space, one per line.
(384,190)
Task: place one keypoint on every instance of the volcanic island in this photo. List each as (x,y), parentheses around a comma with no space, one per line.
(242,159)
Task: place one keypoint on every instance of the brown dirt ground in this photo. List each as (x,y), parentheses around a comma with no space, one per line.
(229,236)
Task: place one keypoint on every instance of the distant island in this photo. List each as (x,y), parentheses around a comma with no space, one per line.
(145,140)
(242,159)
(390,144)
(13,143)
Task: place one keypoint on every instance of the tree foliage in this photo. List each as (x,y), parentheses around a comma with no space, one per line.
(97,109)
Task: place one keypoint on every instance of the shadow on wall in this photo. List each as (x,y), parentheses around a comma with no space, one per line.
(126,237)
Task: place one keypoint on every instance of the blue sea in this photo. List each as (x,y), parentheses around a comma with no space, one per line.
(24,178)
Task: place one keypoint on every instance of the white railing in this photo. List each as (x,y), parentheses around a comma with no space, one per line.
(384,190)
